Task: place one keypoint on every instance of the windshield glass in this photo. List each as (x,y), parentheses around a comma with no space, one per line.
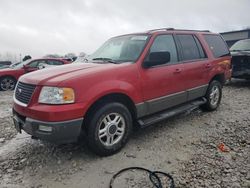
(242,45)
(121,49)
(20,64)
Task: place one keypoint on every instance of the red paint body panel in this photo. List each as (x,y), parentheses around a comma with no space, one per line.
(16,73)
(92,81)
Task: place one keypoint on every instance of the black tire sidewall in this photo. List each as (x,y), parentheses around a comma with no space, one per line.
(1,79)
(93,125)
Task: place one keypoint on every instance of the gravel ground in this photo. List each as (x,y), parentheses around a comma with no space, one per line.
(186,146)
(6,130)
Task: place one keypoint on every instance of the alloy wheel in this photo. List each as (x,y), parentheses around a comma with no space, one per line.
(7,84)
(111,129)
(214,95)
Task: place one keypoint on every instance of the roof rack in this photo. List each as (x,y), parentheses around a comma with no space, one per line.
(160,29)
(172,29)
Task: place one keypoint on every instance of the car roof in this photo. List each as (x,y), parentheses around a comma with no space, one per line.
(60,59)
(169,30)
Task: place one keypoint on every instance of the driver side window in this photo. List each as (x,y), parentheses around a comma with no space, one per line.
(33,64)
(165,43)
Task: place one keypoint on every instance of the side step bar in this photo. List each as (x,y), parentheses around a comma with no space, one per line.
(155,118)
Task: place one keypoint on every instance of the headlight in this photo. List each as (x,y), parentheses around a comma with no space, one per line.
(56,95)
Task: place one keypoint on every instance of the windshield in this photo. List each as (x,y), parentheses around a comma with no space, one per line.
(121,49)
(242,45)
(20,64)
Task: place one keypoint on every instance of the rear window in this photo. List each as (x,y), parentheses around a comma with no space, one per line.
(217,45)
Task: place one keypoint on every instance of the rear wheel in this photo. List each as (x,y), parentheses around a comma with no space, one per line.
(7,83)
(213,96)
(108,128)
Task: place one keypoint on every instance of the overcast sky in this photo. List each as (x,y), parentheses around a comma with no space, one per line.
(39,27)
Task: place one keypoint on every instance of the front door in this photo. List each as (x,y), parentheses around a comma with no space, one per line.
(162,85)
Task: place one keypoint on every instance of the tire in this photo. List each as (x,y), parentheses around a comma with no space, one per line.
(213,96)
(7,83)
(108,128)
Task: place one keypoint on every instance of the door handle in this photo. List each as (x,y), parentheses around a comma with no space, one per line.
(178,70)
(208,65)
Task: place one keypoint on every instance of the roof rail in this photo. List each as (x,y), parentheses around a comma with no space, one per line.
(160,29)
(172,29)
(192,30)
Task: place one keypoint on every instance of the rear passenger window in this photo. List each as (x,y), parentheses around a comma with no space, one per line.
(189,47)
(217,45)
(54,62)
(165,43)
(33,64)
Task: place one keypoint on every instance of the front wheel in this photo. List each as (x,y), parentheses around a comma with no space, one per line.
(7,83)
(213,96)
(108,128)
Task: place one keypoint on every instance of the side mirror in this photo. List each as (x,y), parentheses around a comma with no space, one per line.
(157,58)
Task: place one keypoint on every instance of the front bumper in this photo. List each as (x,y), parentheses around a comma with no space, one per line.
(241,73)
(56,132)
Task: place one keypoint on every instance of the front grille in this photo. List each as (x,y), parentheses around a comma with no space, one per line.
(241,63)
(24,92)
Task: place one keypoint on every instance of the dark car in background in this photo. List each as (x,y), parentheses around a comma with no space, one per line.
(10,75)
(240,52)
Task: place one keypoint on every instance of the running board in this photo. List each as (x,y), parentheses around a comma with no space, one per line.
(155,118)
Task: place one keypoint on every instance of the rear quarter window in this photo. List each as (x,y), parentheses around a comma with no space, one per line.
(217,45)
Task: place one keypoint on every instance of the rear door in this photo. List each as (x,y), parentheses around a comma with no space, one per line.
(196,65)
(162,85)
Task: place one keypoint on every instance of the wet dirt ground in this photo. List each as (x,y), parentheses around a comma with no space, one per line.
(185,146)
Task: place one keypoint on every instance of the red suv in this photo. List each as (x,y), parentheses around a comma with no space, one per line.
(10,75)
(134,79)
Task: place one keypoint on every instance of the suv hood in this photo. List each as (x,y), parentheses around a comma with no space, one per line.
(240,53)
(55,75)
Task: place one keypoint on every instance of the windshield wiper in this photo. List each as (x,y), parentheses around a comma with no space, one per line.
(105,59)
